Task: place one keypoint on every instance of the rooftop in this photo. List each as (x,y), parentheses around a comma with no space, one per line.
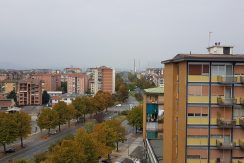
(206,57)
(156,90)
(157,147)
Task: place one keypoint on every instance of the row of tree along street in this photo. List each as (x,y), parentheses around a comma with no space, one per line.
(80,107)
(13,126)
(87,145)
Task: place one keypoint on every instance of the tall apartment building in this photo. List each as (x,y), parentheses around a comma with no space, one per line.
(153,102)
(29,92)
(102,78)
(51,82)
(77,83)
(204,107)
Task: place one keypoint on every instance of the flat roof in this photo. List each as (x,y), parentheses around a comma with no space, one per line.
(206,57)
(156,90)
(157,147)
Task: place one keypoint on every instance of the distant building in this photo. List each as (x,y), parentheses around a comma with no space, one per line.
(6,86)
(77,83)
(101,78)
(6,104)
(72,70)
(51,82)
(29,92)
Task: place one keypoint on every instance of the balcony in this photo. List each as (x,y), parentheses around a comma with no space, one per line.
(240,100)
(240,79)
(152,126)
(228,79)
(241,122)
(225,124)
(226,101)
(240,161)
(220,144)
(241,143)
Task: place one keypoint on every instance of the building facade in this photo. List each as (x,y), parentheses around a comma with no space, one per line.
(102,78)
(51,82)
(204,107)
(153,102)
(77,83)
(29,92)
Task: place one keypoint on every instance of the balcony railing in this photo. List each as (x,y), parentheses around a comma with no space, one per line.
(152,126)
(226,124)
(241,122)
(228,79)
(240,79)
(220,144)
(241,143)
(226,101)
(240,161)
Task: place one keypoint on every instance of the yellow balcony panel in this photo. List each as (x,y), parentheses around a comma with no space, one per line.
(198,78)
(213,121)
(193,141)
(197,120)
(240,79)
(241,143)
(241,122)
(240,100)
(197,160)
(198,99)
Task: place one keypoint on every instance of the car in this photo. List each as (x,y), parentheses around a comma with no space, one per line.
(52,132)
(10,150)
(118,105)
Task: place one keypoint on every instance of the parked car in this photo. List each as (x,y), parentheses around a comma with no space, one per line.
(118,105)
(10,150)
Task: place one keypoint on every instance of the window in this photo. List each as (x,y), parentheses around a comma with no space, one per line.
(198,69)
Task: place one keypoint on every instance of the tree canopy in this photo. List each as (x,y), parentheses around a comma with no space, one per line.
(135,117)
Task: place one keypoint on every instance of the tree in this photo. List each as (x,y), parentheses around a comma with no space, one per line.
(12,95)
(90,125)
(99,101)
(135,117)
(123,92)
(61,109)
(47,119)
(80,104)
(71,112)
(79,149)
(8,129)
(108,100)
(119,131)
(64,87)
(23,121)
(45,97)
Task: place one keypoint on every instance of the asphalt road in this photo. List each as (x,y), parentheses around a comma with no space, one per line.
(35,144)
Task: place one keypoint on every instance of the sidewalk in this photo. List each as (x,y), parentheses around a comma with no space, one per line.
(125,149)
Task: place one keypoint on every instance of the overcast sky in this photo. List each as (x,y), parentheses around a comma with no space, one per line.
(88,33)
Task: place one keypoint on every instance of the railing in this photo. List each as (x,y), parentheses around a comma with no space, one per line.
(241,143)
(226,79)
(152,126)
(150,152)
(220,144)
(241,122)
(226,124)
(226,101)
